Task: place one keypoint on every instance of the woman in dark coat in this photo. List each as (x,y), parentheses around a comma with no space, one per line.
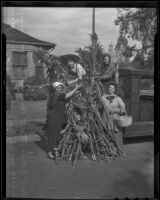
(108,70)
(56,115)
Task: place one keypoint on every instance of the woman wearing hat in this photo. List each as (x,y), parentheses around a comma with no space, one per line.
(55,114)
(77,70)
(114,106)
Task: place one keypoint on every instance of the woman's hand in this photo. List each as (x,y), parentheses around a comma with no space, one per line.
(118,111)
(72,82)
(115,111)
(79,86)
(71,93)
(122,112)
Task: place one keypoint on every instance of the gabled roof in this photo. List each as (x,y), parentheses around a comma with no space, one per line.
(15,36)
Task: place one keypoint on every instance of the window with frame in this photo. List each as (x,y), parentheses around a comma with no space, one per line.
(146,83)
(38,66)
(19,63)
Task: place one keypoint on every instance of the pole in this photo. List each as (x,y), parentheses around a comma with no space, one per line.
(93,40)
(93,21)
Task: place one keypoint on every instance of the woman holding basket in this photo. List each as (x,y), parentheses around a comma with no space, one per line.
(114,107)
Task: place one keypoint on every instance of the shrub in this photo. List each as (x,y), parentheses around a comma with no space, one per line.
(11,87)
(10,92)
(34,81)
(34,93)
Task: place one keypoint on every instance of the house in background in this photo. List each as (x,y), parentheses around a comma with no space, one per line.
(21,61)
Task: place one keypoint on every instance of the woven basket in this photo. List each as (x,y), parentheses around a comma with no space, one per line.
(124,121)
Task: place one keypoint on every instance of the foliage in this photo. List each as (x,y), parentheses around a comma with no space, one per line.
(85,128)
(111,50)
(53,64)
(32,93)
(34,81)
(140,63)
(86,55)
(149,63)
(138,24)
(10,85)
(10,92)
(123,50)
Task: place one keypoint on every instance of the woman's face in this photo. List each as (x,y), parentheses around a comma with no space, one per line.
(71,63)
(111,89)
(106,60)
(59,88)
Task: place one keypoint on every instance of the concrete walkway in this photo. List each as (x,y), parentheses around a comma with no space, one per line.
(23,138)
(21,122)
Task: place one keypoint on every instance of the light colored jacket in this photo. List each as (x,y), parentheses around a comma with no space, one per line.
(112,109)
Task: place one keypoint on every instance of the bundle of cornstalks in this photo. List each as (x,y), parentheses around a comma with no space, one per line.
(85,131)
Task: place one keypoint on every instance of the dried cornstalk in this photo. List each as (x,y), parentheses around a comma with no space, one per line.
(85,130)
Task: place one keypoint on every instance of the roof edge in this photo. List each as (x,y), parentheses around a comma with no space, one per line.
(40,43)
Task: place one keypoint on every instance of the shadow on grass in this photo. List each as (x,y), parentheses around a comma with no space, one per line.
(43,144)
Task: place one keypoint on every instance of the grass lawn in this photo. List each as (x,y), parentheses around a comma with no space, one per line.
(31,128)
(23,110)
(26,110)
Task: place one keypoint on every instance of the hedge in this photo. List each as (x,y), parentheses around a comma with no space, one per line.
(32,93)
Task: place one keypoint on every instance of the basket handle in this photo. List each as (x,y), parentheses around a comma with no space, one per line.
(125,112)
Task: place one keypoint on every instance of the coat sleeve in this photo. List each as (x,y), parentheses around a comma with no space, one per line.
(121,105)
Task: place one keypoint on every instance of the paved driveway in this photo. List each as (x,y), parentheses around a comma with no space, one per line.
(31,174)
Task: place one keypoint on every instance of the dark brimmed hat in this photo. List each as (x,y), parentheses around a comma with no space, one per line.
(69,57)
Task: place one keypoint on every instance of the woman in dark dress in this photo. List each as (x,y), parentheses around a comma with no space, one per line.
(56,115)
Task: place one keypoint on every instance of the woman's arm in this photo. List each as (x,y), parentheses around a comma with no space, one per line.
(73,81)
(46,86)
(121,105)
(71,93)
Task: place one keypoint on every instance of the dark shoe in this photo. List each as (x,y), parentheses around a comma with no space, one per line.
(56,152)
